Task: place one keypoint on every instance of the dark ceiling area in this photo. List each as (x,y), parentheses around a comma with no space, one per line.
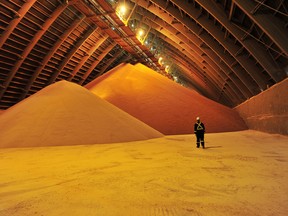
(227,50)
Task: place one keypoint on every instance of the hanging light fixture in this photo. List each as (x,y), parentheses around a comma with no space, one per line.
(124,12)
(121,12)
(140,35)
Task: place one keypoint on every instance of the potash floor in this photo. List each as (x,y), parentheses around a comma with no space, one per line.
(239,173)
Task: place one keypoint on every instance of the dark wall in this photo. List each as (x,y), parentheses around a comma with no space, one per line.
(268,111)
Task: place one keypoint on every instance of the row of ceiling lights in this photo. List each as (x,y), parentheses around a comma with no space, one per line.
(124,13)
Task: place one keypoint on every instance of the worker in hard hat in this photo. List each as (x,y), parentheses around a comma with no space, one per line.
(199,130)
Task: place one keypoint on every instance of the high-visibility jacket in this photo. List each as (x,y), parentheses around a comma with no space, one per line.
(199,127)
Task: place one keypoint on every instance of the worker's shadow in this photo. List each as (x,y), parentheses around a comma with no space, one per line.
(208,147)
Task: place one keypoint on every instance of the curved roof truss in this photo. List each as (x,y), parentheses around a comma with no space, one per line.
(227,50)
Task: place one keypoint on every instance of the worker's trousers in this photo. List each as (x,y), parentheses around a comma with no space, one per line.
(200,139)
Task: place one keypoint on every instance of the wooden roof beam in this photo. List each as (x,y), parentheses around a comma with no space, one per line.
(87,56)
(30,46)
(50,54)
(96,62)
(268,23)
(72,52)
(252,46)
(12,25)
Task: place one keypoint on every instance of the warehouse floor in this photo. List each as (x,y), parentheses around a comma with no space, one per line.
(239,173)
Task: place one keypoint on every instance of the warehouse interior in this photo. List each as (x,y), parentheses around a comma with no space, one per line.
(98,99)
(228,51)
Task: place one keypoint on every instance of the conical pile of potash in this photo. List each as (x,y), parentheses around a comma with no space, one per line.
(161,103)
(65,113)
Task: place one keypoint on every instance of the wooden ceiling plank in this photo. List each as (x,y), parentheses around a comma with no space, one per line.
(51,53)
(32,43)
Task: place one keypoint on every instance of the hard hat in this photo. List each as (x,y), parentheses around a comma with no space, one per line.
(198,118)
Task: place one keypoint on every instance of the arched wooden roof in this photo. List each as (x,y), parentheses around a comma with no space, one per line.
(228,50)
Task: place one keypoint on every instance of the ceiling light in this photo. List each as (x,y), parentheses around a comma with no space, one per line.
(141,35)
(160,61)
(121,13)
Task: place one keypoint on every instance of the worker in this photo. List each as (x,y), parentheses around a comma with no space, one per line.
(199,130)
